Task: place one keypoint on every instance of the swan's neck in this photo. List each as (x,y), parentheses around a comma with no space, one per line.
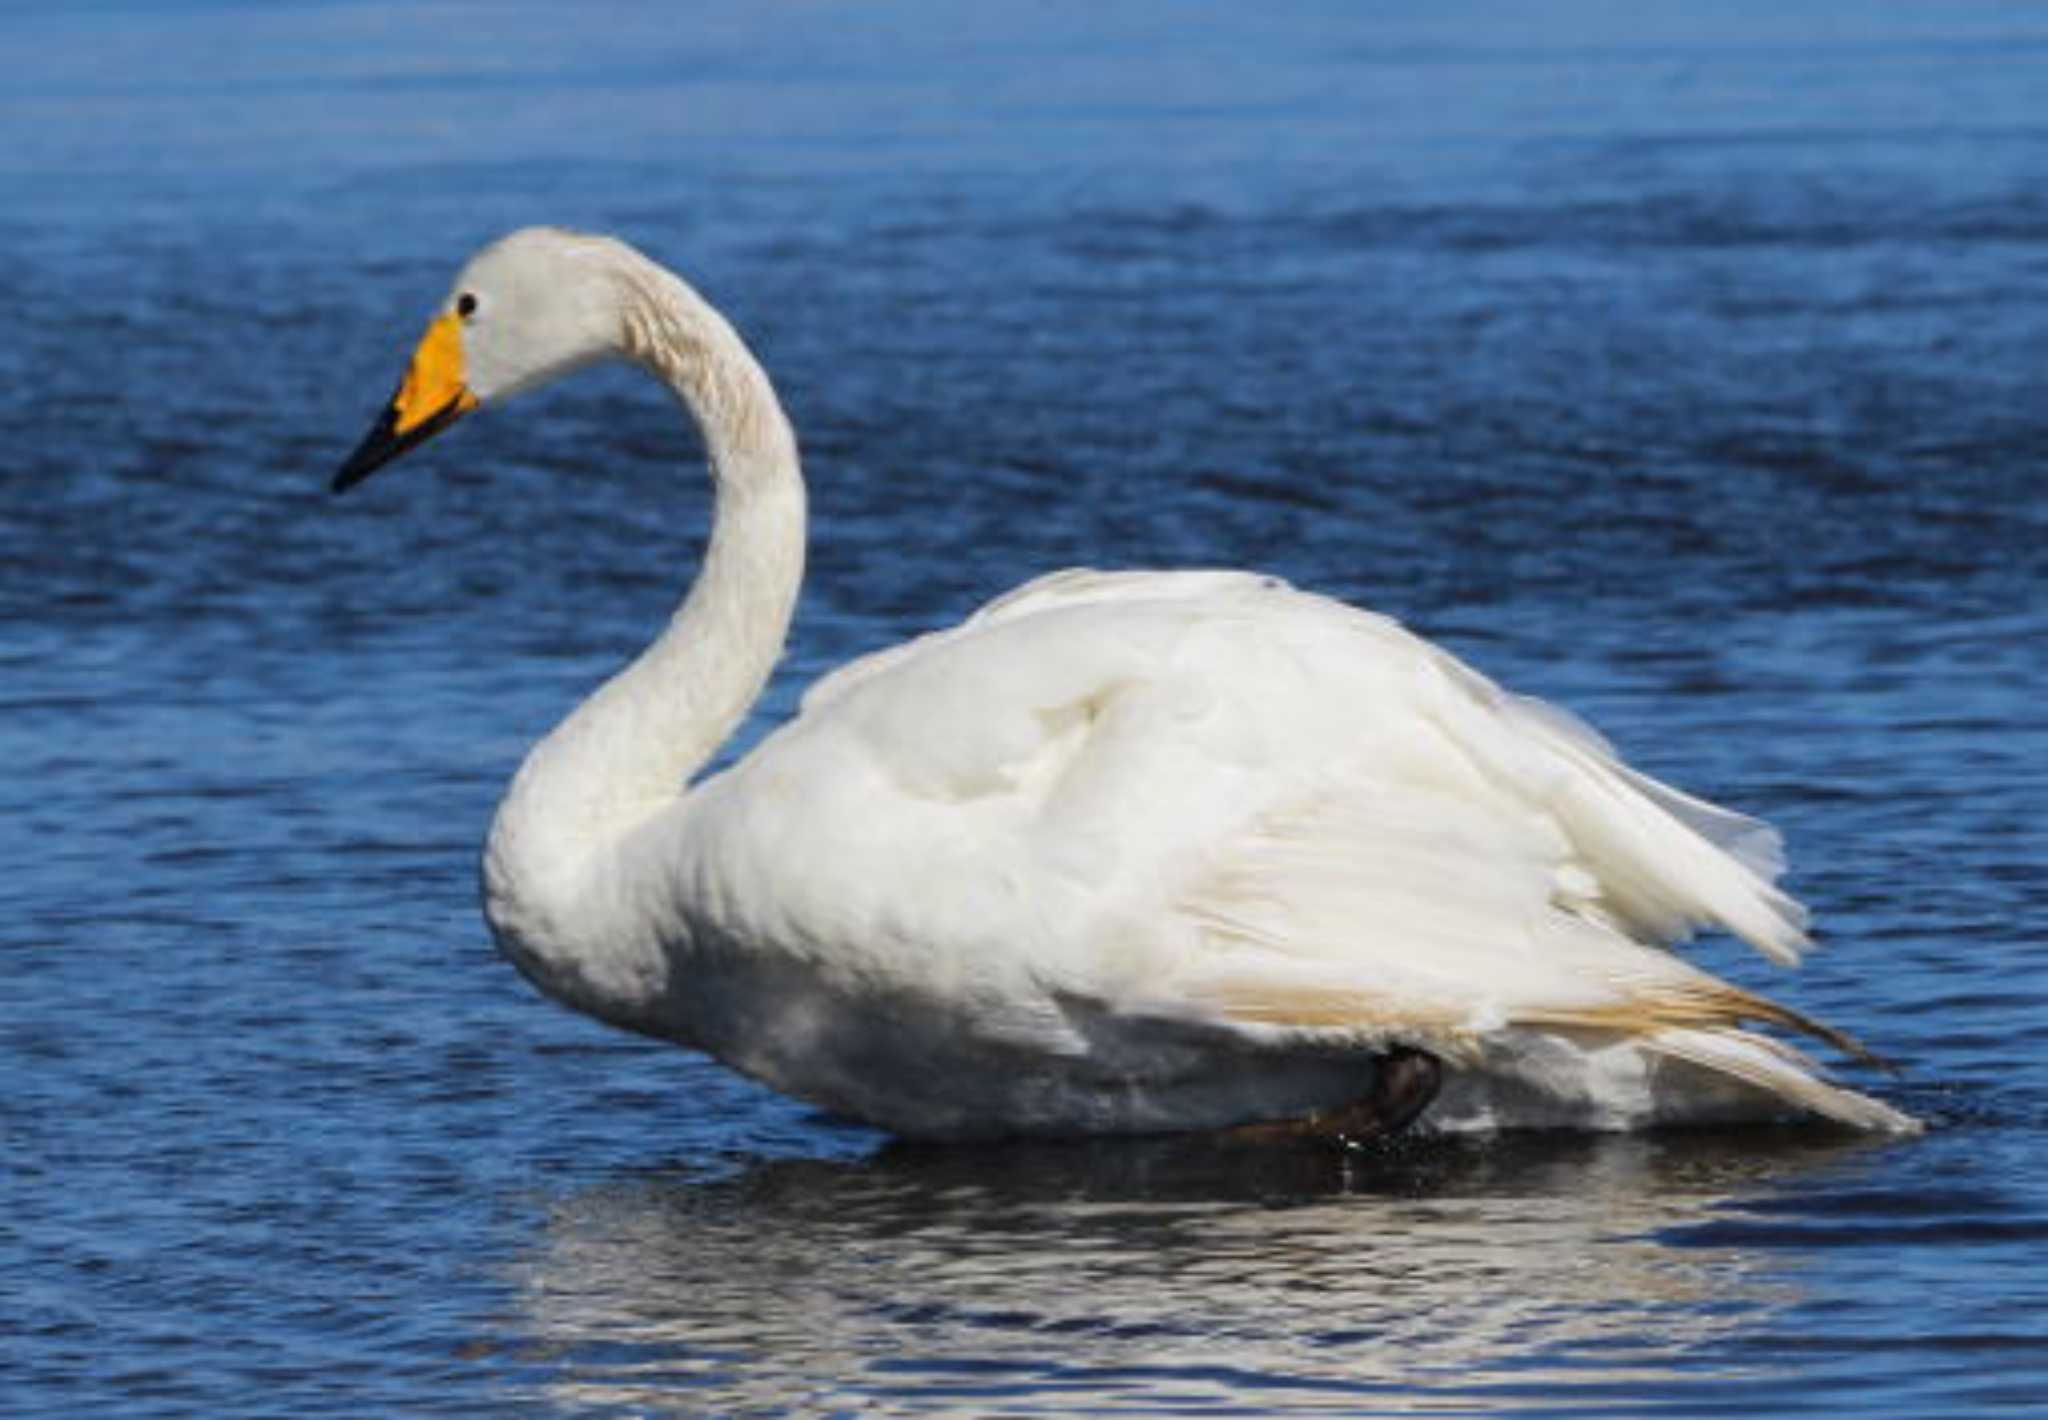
(625,754)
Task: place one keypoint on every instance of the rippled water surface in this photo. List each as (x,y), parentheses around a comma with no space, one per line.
(1685,367)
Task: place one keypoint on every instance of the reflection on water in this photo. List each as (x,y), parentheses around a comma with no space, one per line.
(1160,1273)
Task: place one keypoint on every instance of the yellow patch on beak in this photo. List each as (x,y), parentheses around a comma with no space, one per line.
(432,396)
(433,382)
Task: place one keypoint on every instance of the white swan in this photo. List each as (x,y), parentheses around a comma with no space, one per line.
(1122,852)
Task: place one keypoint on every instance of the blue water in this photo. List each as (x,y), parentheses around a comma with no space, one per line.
(1680,363)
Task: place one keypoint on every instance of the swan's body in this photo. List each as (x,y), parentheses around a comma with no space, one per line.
(1133,851)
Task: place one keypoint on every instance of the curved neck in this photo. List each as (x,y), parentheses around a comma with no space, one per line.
(626,753)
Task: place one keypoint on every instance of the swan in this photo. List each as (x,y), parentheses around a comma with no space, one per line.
(1123,852)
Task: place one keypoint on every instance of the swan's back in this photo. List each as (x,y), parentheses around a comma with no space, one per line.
(1234,672)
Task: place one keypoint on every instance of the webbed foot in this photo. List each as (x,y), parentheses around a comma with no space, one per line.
(1404,1083)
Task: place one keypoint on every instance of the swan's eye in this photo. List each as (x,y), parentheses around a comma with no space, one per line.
(465,305)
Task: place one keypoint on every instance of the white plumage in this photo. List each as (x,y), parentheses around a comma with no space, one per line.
(1123,851)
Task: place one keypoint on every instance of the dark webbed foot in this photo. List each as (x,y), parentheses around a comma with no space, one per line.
(1405,1086)
(1404,1082)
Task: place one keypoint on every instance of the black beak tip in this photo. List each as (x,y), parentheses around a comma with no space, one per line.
(378,448)
(383,443)
(347,477)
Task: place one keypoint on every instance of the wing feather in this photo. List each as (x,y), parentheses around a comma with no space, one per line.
(1451,922)
(1666,863)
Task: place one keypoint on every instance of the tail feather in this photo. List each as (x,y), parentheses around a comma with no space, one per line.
(1701,1002)
(1762,1063)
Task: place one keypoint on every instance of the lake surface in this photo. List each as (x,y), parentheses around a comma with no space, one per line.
(1685,368)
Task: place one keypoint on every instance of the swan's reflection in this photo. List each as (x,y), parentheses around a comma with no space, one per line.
(1079,1278)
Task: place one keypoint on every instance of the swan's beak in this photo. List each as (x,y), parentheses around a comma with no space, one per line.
(430,398)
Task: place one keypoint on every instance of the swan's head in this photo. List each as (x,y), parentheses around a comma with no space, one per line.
(526,309)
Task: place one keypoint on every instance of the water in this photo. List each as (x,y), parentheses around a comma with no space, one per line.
(1681,366)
